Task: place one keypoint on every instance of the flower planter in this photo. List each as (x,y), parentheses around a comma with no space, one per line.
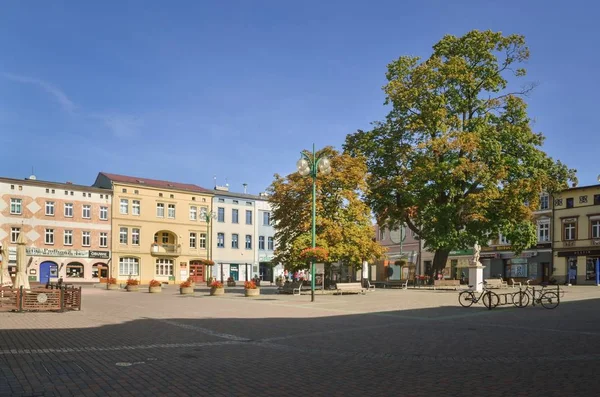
(217,291)
(231,283)
(133,288)
(252,292)
(186,290)
(112,287)
(155,290)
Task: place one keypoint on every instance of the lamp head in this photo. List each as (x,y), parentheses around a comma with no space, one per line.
(303,167)
(325,165)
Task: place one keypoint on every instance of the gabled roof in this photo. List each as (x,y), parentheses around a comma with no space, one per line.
(168,185)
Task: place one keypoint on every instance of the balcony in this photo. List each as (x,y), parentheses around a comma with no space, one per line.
(165,250)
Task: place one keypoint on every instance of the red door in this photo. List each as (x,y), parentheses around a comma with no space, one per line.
(197,272)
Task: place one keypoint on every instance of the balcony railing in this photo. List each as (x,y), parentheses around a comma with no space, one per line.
(165,249)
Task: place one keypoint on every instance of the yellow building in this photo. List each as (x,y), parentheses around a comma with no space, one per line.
(576,234)
(159,229)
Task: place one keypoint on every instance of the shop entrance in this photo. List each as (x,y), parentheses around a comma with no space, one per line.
(100,271)
(572,270)
(48,270)
(234,272)
(545,272)
(197,271)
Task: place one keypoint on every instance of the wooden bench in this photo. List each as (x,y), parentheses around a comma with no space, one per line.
(495,283)
(446,283)
(356,288)
(291,288)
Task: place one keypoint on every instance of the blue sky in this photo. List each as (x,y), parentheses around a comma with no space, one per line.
(188,90)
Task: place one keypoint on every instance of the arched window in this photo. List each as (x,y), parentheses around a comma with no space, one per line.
(75,270)
(129,266)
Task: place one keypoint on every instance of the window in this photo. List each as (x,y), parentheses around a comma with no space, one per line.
(135,207)
(103,239)
(123,235)
(14,234)
(129,266)
(221,200)
(124,206)
(135,236)
(221,214)
(69,210)
(165,238)
(261,242)
(544,202)
(75,270)
(68,237)
(124,190)
(596,199)
(266,218)
(220,240)
(544,231)
(193,213)
(248,242)
(270,243)
(202,240)
(193,198)
(136,192)
(172,196)
(248,217)
(570,202)
(86,211)
(50,208)
(236,202)
(160,210)
(569,230)
(164,267)
(16,206)
(192,240)
(171,211)
(203,212)
(596,229)
(85,239)
(49,236)
(160,194)
(381,234)
(103,213)
(235,241)
(235,216)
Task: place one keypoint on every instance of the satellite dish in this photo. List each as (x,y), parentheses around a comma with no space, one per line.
(598,178)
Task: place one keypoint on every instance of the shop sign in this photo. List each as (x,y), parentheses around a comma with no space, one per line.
(543,245)
(99,254)
(523,255)
(34,251)
(461,252)
(488,256)
(579,253)
(498,248)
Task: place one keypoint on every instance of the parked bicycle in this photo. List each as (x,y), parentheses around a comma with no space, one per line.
(548,298)
(489,298)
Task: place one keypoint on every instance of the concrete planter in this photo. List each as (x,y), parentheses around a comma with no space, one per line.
(253,292)
(112,287)
(154,290)
(186,290)
(133,288)
(217,291)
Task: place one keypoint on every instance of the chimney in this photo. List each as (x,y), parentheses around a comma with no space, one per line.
(245,185)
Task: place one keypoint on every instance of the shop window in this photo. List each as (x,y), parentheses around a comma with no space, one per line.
(75,270)
(590,268)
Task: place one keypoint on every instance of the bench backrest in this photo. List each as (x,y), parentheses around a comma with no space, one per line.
(349,286)
(493,281)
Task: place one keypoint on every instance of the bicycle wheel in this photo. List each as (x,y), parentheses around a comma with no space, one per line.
(466,298)
(490,299)
(520,299)
(549,300)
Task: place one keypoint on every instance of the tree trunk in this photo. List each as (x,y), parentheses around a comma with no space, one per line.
(439,260)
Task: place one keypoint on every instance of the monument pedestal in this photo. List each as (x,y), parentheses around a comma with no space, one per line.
(476,276)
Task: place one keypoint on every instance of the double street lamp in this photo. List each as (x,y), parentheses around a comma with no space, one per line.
(208,216)
(311,165)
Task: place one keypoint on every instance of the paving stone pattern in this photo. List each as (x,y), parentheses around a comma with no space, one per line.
(385,343)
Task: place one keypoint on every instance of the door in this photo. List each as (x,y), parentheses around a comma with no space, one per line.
(48,271)
(572,270)
(234,270)
(197,272)
(545,272)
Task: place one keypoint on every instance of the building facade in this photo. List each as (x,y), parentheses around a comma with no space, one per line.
(67,229)
(576,235)
(265,232)
(159,228)
(402,245)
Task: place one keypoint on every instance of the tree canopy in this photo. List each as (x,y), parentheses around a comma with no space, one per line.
(343,221)
(456,158)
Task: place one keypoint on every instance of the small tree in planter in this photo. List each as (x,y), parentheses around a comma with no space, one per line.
(251,289)
(191,281)
(230,282)
(133,285)
(111,284)
(186,288)
(216,288)
(279,281)
(154,287)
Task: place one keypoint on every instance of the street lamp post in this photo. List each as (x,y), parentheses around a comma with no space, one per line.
(311,165)
(208,217)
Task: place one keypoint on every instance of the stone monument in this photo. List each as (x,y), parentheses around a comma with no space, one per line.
(476,270)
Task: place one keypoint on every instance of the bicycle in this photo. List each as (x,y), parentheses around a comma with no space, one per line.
(490,299)
(549,299)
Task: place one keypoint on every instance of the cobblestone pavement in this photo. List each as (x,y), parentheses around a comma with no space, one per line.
(385,343)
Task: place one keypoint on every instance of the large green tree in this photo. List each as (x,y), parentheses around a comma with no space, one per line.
(456,158)
(343,220)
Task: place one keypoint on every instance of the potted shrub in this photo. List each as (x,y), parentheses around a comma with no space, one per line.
(230,282)
(133,285)
(154,287)
(186,288)
(216,288)
(251,289)
(279,281)
(112,284)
